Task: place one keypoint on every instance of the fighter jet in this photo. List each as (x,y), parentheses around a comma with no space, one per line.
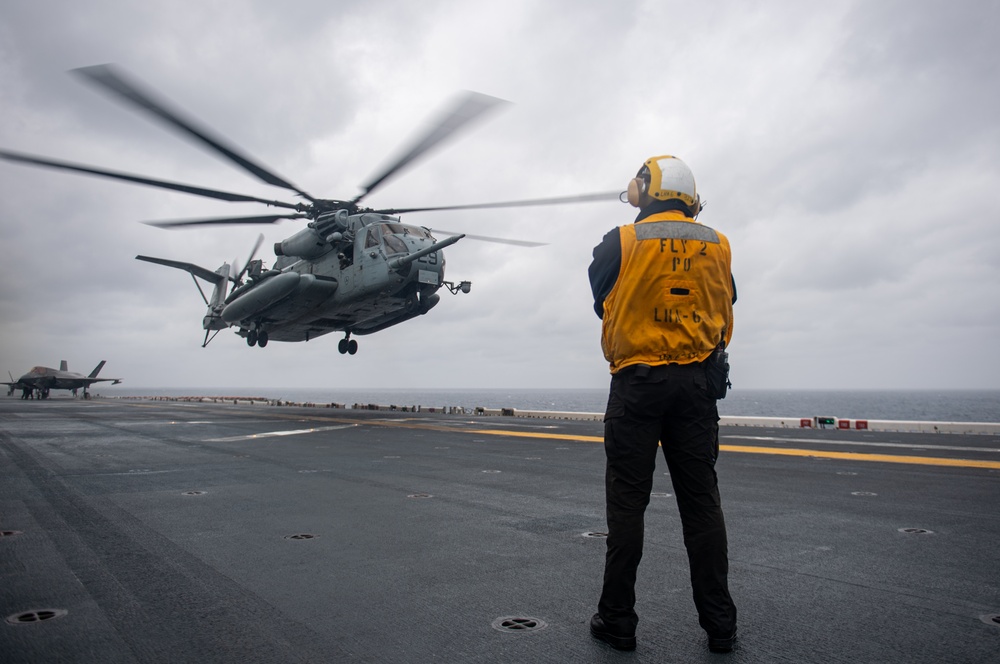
(42,379)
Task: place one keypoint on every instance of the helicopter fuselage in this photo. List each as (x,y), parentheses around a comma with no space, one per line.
(359,274)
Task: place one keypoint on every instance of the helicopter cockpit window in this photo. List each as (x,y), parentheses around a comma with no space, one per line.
(372,239)
(393,245)
(405,229)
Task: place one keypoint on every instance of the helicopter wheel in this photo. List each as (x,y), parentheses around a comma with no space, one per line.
(252,338)
(347,345)
(262,338)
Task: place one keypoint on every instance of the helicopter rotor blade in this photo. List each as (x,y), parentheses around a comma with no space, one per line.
(560,200)
(138,179)
(486,238)
(246,266)
(467,108)
(222,221)
(113,79)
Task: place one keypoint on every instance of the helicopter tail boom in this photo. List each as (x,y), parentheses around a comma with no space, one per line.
(219,279)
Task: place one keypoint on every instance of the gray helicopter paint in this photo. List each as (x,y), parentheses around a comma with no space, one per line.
(354,282)
(259,298)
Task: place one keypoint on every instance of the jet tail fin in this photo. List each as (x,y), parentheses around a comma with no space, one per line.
(97,369)
(63,365)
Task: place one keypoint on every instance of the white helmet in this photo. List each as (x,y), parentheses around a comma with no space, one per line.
(662,178)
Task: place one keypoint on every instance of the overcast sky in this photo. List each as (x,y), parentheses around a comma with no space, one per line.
(850,151)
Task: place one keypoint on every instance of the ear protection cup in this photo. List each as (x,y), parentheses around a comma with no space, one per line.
(636,191)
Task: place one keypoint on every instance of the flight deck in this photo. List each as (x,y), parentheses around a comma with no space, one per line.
(165,531)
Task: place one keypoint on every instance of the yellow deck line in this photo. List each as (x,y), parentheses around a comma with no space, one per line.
(825,454)
(535,434)
(859,456)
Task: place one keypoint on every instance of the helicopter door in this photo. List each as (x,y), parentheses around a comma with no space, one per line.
(374,270)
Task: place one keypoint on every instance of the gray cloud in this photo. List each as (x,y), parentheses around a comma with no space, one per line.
(849,151)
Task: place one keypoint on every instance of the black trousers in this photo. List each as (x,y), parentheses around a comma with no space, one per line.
(671,404)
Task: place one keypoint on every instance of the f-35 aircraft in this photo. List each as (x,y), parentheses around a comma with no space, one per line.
(42,379)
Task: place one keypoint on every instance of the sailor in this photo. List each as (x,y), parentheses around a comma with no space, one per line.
(664,290)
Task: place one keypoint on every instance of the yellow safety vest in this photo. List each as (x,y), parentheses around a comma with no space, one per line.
(673,300)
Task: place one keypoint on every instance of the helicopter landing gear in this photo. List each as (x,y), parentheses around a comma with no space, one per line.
(347,345)
(257,337)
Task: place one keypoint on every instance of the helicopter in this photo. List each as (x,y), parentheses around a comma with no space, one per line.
(352,269)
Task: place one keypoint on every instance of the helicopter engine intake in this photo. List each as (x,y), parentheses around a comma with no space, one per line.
(307,244)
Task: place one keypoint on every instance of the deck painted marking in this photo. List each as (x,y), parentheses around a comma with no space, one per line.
(858,456)
(780,451)
(821,441)
(274,434)
(535,434)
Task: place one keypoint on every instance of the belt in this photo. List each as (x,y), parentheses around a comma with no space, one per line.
(659,370)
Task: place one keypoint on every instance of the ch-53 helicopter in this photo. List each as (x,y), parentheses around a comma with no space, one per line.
(352,269)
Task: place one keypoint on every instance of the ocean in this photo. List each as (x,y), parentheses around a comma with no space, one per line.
(916,405)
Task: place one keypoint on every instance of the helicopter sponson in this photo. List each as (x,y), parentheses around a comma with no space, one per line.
(271,290)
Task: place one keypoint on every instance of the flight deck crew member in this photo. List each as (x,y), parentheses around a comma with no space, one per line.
(664,290)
